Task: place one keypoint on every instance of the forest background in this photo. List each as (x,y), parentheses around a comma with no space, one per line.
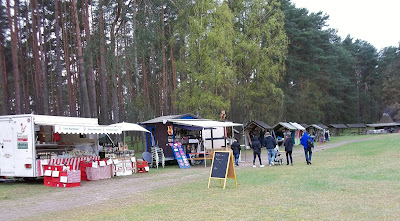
(133,60)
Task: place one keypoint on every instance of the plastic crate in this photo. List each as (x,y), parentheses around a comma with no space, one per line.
(141,166)
(47,180)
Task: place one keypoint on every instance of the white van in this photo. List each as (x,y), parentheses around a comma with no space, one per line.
(29,141)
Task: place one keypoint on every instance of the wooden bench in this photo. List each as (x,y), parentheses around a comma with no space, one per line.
(207,156)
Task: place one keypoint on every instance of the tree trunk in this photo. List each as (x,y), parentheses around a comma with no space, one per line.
(42,62)
(119,82)
(135,60)
(25,106)
(153,80)
(25,74)
(164,89)
(35,52)
(60,103)
(114,85)
(4,82)
(129,80)
(102,70)
(71,101)
(173,68)
(91,78)
(82,77)
(14,54)
(145,83)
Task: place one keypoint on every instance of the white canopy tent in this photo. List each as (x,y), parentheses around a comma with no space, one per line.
(130,127)
(205,124)
(75,125)
(124,126)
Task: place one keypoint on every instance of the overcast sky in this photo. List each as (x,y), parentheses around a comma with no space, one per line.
(377,22)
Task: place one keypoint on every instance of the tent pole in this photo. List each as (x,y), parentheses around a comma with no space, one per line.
(244,138)
(212,139)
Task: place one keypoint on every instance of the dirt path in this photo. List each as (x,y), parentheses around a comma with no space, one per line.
(121,190)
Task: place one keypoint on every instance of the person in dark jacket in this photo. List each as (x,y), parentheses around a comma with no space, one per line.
(288,148)
(256,145)
(307,149)
(236,151)
(270,143)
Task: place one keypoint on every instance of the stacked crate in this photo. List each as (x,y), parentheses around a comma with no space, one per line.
(142,166)
(82,168)
(61,176)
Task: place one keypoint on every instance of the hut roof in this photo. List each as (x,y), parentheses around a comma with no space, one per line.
(360,125)
(289,126)
(338,126)
(163,119)
(304,125)
(323,126)
(258,123)
(383,124)
(316,126)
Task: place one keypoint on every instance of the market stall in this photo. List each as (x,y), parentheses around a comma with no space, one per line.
(204,152)
(125,164)
(255,128)
(295,129)
(50,146)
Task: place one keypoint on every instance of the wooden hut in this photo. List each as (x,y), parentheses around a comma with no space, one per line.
(356,128)
(337,129)
(162,131)
(257,128)
(392,127)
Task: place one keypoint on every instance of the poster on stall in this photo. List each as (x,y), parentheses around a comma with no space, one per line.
(180,155)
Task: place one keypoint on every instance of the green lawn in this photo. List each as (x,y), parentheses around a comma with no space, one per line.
(359,181)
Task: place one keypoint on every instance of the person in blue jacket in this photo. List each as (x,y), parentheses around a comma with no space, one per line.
(307,148)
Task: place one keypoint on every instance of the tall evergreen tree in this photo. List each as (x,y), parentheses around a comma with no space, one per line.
(260,51)
(208,43)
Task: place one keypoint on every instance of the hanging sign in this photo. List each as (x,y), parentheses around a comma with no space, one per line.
(222,167)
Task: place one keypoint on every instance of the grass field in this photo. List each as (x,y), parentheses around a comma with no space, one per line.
(358,181)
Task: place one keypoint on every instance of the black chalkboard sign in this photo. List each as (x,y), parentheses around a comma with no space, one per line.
(220,164)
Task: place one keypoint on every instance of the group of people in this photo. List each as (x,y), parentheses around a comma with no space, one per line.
(270,144)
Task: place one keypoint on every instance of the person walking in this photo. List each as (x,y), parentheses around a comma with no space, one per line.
(327,135)
(256,145)
(288,148)
(270,144)
(236,151)
(307,143)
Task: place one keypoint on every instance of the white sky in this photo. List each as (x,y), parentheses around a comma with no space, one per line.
(377,22)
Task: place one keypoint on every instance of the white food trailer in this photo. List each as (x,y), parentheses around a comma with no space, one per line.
(27,141)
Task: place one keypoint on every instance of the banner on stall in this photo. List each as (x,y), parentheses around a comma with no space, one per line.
(180,155)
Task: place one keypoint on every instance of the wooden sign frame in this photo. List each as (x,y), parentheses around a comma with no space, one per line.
(230,170)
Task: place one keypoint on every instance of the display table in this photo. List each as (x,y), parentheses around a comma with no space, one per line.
(98,173)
